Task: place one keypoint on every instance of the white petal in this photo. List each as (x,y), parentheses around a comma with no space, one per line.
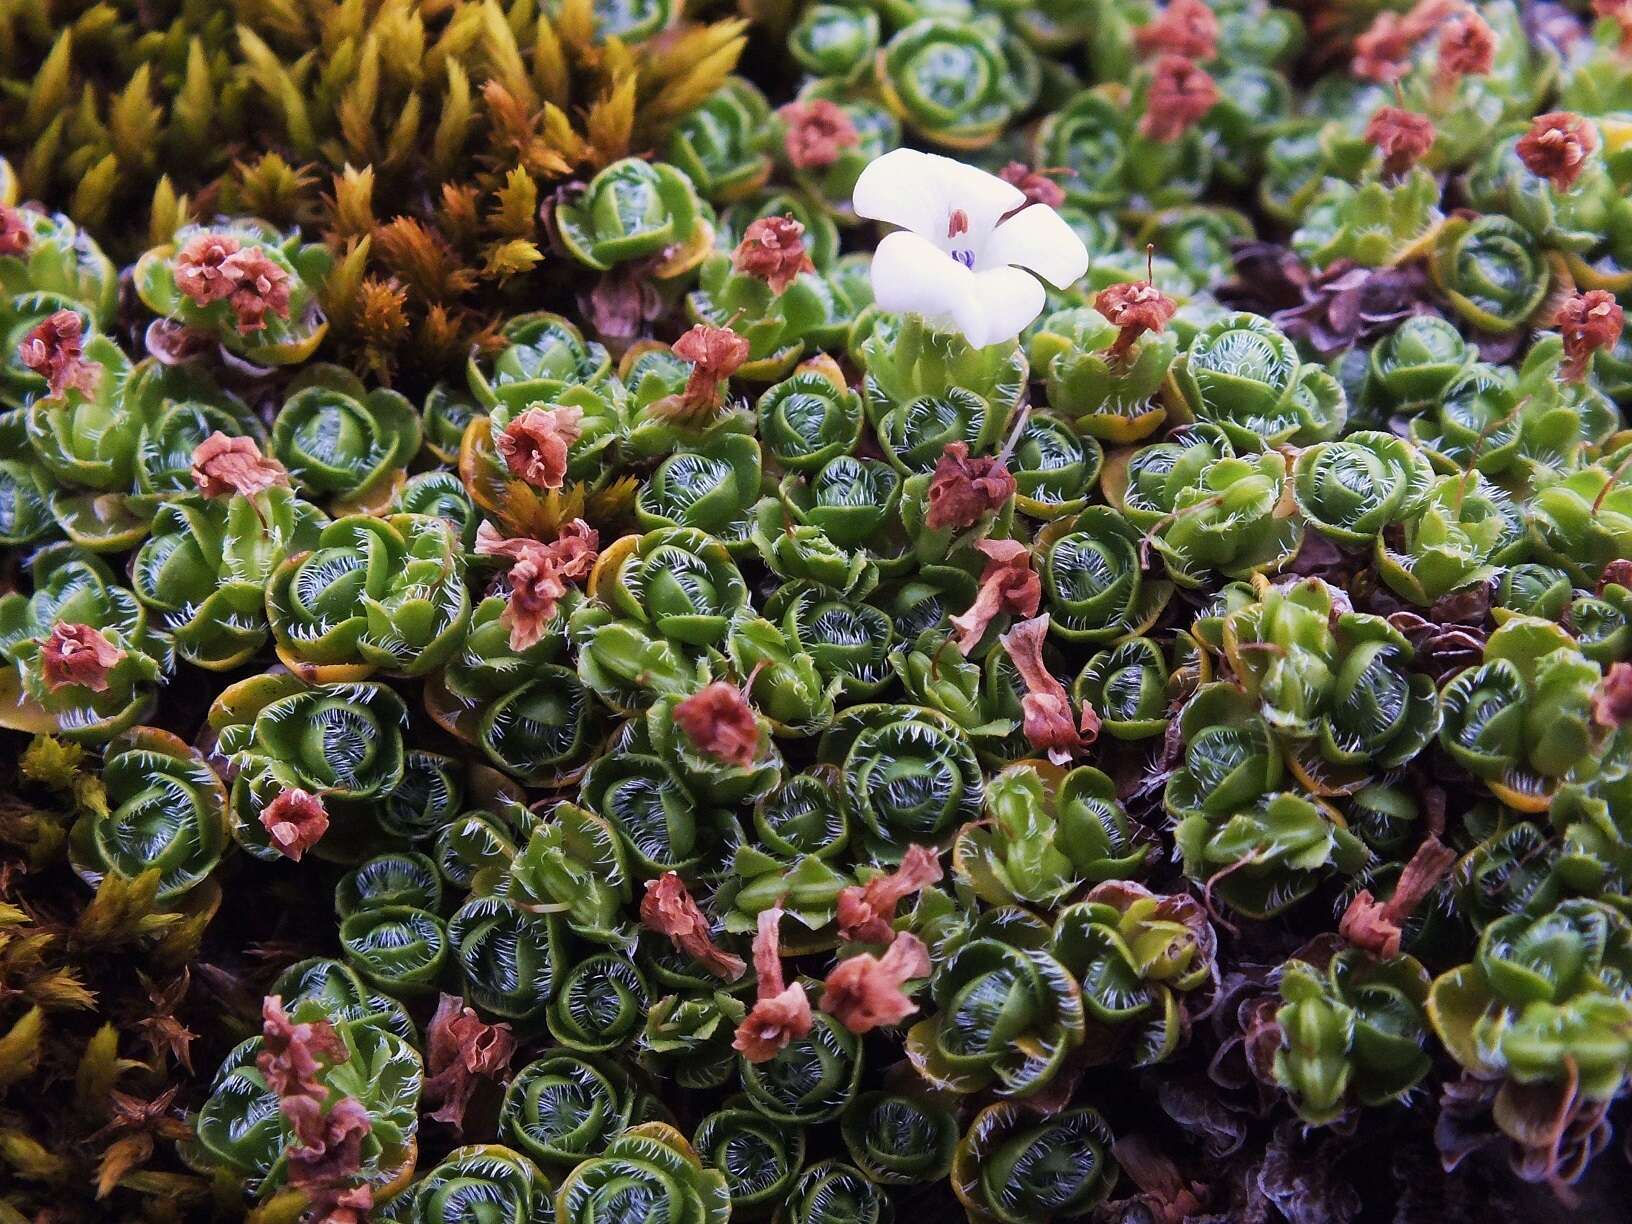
(918,191)
(1008,299)
(1039,239)
(900,188)
(985,197)
(911,274)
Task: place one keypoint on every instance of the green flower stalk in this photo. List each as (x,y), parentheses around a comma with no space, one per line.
(1522,719)
(636,209)
(651,1165)
(833,1192)
(507,957)
(1007,1013)
(243,283)
(1094,587)
(899,1140)
(1243,375)
(342,443)
(83,659)
(679,581)
(47,254)
(1238,520)
(374,594)
(1352,1032)
(566,1107)
(574,864)
(1375,224)
(166,811)
(1048,832)
(541,355)
(712,489)
(1135,954)
(1128,689)
(1014,1166)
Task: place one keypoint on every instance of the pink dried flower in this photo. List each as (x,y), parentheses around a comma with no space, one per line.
(295,821)
(668,909)
(721,723)
(773,250)
(461,1050)
(818,131)
(1008,584)
(78,654)
(781,1012)
(866,912)
(55,350)
(534,444)
(864,992)
(1050,724)
(962,489)
(223,465)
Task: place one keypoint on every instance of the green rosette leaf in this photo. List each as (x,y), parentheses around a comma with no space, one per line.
(832,1192)
(508,957)
(482,1181)
(1243,375)
(759,1157)
(812,1079)
(1093,584)
(899,1140)
(566,1107)
(712,489)
(1018,1167)
(633,209)
(649,1172)
(575,865)
(720,144)
(398,948)
(342,443)
(1491,268)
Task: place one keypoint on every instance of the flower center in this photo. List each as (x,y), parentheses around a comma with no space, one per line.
(966,258)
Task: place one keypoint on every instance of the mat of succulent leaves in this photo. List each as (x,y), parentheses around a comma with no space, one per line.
(1012,710)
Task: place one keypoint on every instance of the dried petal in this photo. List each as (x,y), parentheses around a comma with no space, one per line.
(864,992)
(1467,47)
(1008,584)
(721,723)
(1557,146)
(866,912)
(292,1054)
(461,1050)
(330,1151)
(1049,724)
(1377,927)
(962,489)
(1038,186)
(818,131)
(534,444)
(1180,94)
(1612,700)
(259,286)
(223,465)
(773,250)
(78,654)
(781,1013)
(668,909)
(295,821)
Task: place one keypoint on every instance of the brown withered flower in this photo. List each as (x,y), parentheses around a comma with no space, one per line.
(78,654)
(295,821)
(818,131)
(55,350)
(1185,27)
(223,465)
(15,235)
(1038,186)
(201,269)
(1007,584)
(1377,926)
(1403,137)
(1557,146)
(1049,722)
(1180,93)
(1589,322)
(461,1050)
(1134,308)
(962,489)
(773,250)
(781,1013)
(720,722)
(864,992)
(866,912)
(715,353)
(534,444)
(668,909)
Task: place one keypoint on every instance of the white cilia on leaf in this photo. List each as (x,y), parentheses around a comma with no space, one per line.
(968,246)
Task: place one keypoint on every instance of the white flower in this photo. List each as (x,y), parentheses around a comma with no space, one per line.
(959,255)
